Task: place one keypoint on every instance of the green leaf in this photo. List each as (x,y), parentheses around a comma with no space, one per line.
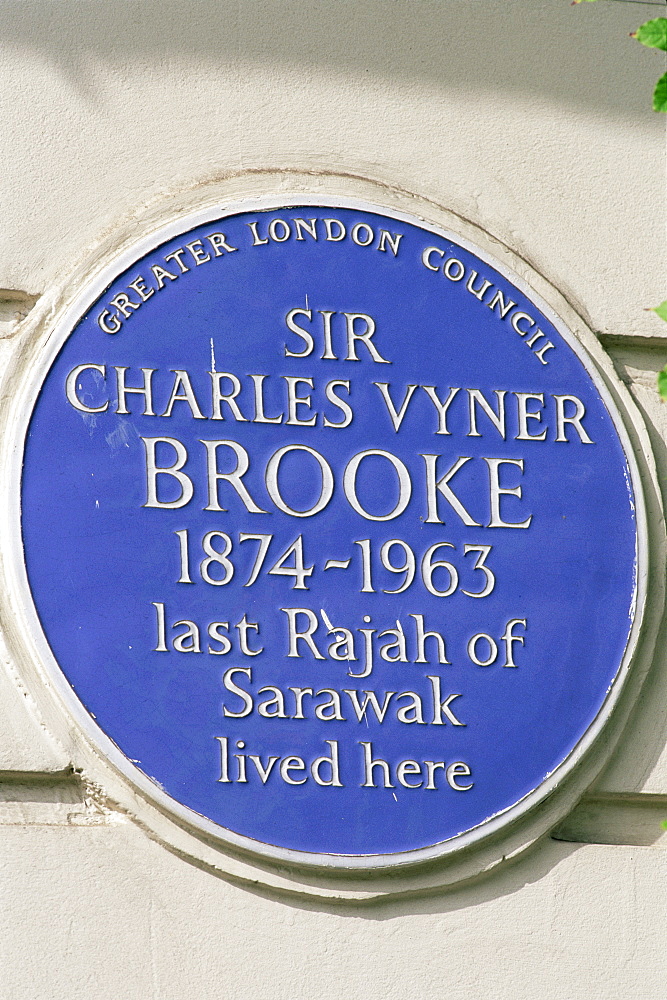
(660,94)
(661,310)
(653,34)
(662,382)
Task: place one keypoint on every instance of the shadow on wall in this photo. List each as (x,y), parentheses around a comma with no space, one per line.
(578,56)
(505,881)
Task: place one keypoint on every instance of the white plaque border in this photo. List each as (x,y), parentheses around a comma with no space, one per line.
(49,333)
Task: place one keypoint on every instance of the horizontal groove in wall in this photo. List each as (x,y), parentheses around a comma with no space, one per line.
(630,820)
(14,307)
(57,799)
(657,341)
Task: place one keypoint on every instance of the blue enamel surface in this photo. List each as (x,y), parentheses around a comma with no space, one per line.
(98,559)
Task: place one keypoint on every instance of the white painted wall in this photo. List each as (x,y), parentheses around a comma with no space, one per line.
(532,120)
(525,116)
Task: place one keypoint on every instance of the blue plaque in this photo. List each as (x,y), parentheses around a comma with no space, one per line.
(332,530)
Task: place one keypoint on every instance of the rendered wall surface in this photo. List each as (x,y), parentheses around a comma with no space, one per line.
(530,119)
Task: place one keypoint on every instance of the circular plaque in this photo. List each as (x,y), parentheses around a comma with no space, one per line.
(332,531)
